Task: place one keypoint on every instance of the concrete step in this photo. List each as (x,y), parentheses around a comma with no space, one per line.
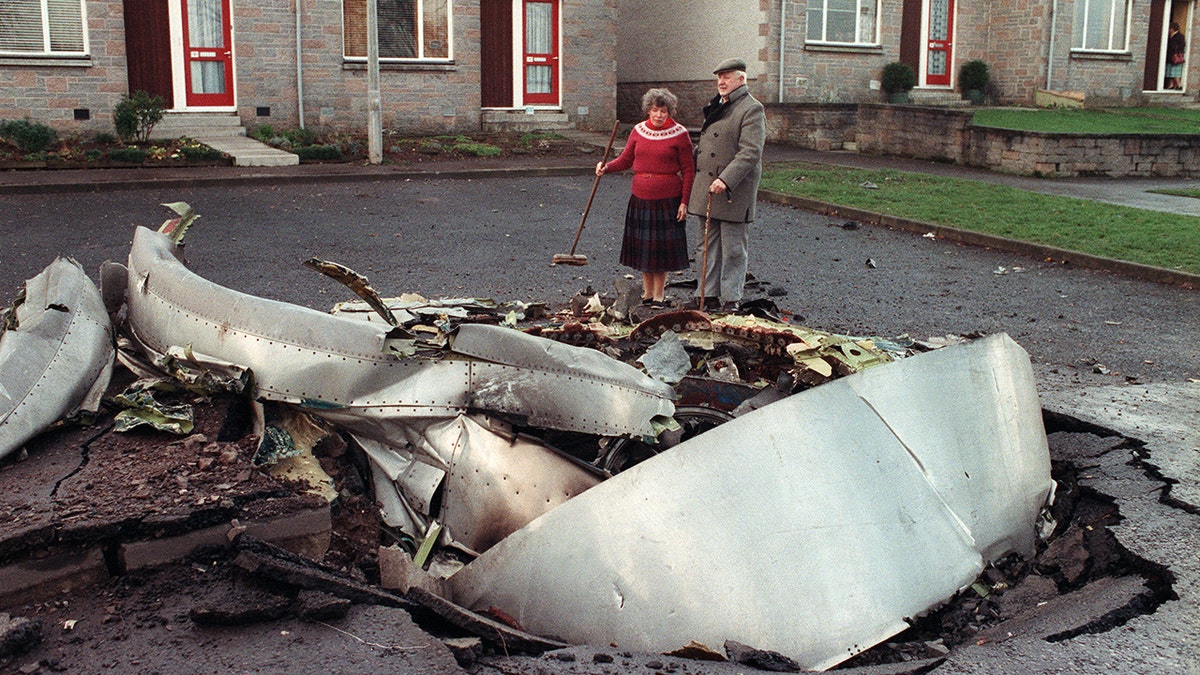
(941,98)
(496,121)
(195,125)
(249,152)
(1170,99)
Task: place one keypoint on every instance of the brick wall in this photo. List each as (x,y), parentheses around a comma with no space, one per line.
(819,74)
(590,62)
(50,91)
(1108,79)
(417,99)
(1013,39)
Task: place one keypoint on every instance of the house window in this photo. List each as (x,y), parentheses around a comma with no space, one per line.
(1101,25)
(853,22)
(408,29)
(42,27)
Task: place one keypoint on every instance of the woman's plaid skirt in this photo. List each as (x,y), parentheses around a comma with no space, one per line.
(654,240)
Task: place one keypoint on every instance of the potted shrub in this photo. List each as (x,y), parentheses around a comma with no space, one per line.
(897,80)
(973,80)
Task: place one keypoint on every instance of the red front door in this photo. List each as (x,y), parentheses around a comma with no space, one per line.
(208,53)
(939,52)
(540,62)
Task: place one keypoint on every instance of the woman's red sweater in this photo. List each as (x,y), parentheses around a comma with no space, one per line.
(661,160)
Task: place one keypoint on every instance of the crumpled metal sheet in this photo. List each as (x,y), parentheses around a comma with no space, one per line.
(58,359)
(338,368)
(811,527)
(495,481)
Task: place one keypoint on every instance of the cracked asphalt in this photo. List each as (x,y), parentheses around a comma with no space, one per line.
(1114,352)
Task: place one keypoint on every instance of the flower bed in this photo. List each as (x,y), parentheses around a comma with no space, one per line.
(102,153)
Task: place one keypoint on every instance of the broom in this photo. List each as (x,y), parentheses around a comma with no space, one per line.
(571,258)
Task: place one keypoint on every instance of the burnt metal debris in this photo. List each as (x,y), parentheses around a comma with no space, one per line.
(597,477)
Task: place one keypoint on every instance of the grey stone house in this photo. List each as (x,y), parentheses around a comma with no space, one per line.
(1112,52)
(447,66)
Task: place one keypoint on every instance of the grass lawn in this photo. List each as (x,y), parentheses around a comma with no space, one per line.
(1088,121)
(1195,194)
(1148,237)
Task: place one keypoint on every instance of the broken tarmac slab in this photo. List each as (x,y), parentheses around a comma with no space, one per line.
(88,503)
(18,634)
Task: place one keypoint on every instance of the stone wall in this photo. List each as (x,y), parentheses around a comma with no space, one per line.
(913,131)
(1071,155)
(947,135)
(813,126)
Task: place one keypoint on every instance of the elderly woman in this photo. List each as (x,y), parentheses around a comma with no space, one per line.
(659,151)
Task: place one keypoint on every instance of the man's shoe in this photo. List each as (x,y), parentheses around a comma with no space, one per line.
(710,304)
(729,307)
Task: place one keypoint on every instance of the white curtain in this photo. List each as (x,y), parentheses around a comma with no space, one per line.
(205,31)
(539,39)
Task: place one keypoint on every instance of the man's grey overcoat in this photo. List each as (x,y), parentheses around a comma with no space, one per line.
(730,148)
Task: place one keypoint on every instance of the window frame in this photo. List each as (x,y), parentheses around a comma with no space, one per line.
(419,38)
(1079,30)
(47,50)
(824,41)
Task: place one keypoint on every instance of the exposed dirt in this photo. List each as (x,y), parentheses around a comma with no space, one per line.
(92,151)
(481,147)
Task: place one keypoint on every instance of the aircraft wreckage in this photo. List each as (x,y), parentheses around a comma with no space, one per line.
(811,523)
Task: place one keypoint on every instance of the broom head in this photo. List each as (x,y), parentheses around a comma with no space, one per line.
(569,259)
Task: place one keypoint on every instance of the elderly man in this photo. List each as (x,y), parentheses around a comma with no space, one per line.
(728,166)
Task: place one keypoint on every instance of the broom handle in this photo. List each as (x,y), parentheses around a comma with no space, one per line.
(704,260)
(595,184)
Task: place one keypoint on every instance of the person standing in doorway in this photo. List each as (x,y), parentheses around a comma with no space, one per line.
(659,151)
(728,168)
(1176,55)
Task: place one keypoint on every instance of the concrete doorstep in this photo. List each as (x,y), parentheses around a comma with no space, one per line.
(249,152)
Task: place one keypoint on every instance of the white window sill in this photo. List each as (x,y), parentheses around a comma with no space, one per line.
(82,61)
(1101,55)
(843,47)
(402,66)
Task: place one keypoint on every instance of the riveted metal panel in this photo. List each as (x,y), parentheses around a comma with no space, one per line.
(812,527)
(58,359)
(337,367)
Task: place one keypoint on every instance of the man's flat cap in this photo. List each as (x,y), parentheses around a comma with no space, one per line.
(730,64)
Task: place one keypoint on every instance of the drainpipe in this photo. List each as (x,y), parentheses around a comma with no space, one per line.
(782,42)
(1050,58)
(299,68)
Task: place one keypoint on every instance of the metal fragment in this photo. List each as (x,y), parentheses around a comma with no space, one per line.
(811,527)
(56,353)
